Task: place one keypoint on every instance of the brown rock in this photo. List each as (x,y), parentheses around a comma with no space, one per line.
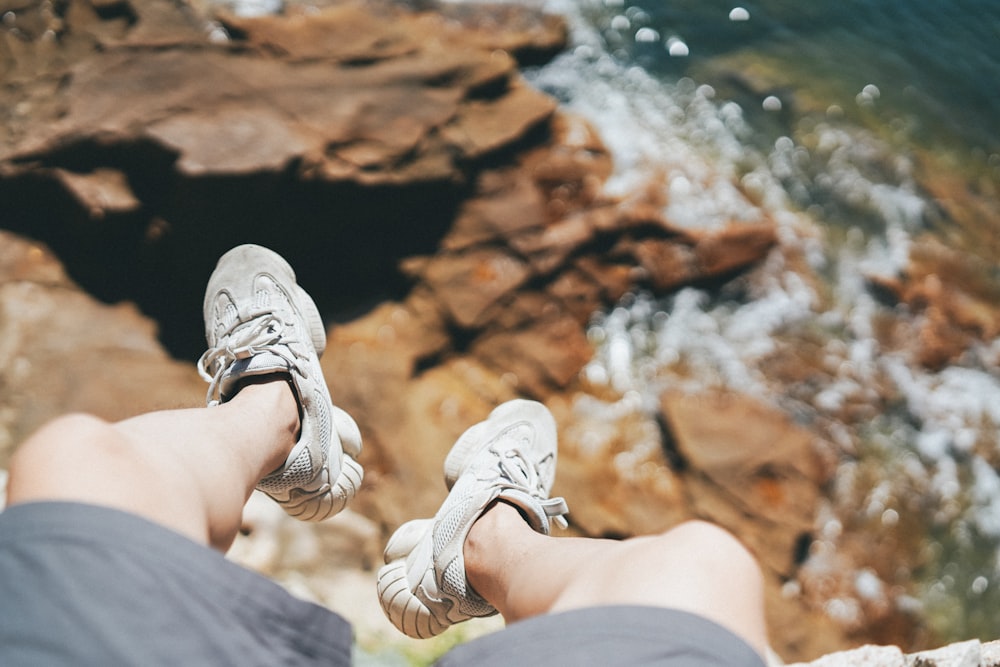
(63,351)
(506,202)
(331,90)
(755,464)
(469,283)
(620,454)
(571,170)
(538,359)
(100,191)
(549,248)
(666,264)
(526,35)
(954,298)
(578,294)
(615,279)
(22,261)
(733,248)
(234,140)
(482,127)
(344,33)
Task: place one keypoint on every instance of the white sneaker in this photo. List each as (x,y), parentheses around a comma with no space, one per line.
(258,321)
(511,456)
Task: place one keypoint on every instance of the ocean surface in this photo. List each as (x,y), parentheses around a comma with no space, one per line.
(829,118)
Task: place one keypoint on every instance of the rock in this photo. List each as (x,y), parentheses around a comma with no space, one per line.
(952,297)
(667,265)
(617,450)
(531,38)
(305,96)
(100,191)
(864,656)
(484,126)
(961,654)
(360,112)
(507,201)
(670,260)
(733,248)
(753,466)
(63,351)
(469,283)
(347,33)
(991,654)
(534,359)
(970,653)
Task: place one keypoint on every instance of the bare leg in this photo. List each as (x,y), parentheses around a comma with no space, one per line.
(190,470)
(695,567)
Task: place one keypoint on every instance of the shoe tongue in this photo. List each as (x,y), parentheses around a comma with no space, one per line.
(536,512)
(262,363)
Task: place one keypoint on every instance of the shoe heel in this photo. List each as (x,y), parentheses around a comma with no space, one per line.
(348,431)
(405,539)
(402,607)
(329,500)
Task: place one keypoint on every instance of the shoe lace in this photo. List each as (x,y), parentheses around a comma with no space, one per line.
(263,333)
(515,467)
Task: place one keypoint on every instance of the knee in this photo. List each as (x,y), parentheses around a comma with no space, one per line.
(68,458)
(712,544)
(64,438)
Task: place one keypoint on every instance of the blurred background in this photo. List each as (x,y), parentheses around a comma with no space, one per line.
(748,255)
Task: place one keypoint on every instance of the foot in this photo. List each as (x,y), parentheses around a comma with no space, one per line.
(259,322)
(510,457)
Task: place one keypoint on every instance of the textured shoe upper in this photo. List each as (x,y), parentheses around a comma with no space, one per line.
(520,469)
(515,464)
(265,336)
(259,322)
(511,457)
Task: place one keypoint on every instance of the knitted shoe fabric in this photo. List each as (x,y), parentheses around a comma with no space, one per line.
(259,321)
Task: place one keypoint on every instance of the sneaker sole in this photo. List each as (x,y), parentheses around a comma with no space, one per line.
(328,499)
(404,609)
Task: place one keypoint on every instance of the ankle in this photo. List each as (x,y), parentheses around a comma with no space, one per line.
(273,395)
(495,532)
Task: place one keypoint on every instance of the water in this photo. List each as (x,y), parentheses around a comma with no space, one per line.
(833,120)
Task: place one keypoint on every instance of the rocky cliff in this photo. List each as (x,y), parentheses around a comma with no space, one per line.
(451,222)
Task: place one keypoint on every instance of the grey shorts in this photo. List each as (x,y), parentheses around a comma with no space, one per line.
(608,636)
(85,585)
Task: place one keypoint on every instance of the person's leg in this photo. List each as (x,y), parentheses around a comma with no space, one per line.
(695,567)
(95,562)
(270,422)
(190,470)
(488,548)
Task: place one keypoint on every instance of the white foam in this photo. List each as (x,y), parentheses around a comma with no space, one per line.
(739,14)
(704,146)
(677,48)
